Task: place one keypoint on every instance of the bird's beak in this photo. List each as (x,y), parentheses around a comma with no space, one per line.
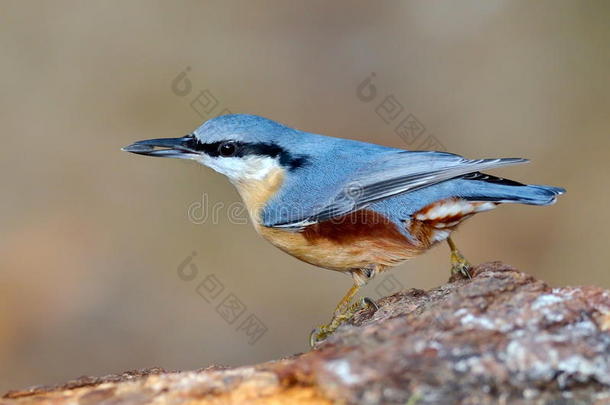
(168,147)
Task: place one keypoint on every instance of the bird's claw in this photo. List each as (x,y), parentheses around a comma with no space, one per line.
(368,302)
(459,265)
(324,331)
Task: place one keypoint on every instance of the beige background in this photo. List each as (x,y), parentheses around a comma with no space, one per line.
(92,237)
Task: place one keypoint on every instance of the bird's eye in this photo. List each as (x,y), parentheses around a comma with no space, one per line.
(227,149)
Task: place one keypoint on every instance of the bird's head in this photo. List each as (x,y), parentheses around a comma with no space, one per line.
(242,147)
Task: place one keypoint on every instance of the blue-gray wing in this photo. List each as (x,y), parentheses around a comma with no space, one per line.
(389,175)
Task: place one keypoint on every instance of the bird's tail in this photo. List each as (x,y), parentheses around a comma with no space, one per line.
(482,187)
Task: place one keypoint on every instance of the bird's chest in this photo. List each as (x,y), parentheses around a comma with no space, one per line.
(351,242)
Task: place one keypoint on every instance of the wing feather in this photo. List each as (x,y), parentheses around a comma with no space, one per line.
(392,174)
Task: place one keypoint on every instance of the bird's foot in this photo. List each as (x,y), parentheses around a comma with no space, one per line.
(324,331)
(459,265)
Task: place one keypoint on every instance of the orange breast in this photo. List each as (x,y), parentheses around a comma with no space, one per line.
(353,241)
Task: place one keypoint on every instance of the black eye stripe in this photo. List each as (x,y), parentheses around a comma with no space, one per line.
(249,149)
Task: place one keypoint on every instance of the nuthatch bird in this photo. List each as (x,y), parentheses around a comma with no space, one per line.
(344,205)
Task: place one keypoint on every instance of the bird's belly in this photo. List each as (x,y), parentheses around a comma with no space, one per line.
(354,242)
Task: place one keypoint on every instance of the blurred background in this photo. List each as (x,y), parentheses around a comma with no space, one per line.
(102,269)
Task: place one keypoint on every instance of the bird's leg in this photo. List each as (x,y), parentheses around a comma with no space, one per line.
(324,331)
(347,298)
(459,264)
(344,310)
(364,302)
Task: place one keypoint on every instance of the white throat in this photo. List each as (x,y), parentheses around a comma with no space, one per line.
(241,169)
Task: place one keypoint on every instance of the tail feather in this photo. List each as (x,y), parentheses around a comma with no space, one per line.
(531,194)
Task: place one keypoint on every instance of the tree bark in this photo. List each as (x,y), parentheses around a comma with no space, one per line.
(502,337)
